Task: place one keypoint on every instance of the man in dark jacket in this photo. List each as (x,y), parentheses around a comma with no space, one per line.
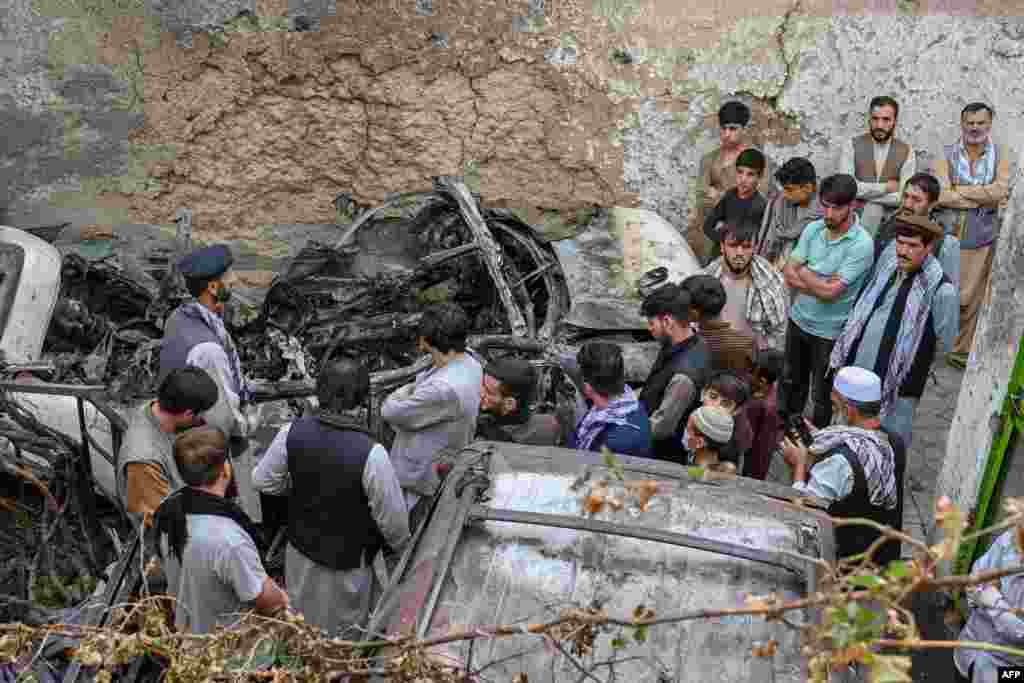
(612,416)
(857,466)
(673,387)
(344,501)
(505,413)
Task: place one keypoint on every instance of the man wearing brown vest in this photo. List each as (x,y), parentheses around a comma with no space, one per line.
(881,164)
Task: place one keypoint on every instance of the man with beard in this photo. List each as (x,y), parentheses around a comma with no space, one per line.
(975,177)
(507,390)
(755,291)
(195,335)
(881,163)
(718,171)
(920,198)
(683,366)
(856,466)
(830,263)
(906,314)
(344,501)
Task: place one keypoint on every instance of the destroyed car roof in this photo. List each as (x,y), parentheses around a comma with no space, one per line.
(508,543)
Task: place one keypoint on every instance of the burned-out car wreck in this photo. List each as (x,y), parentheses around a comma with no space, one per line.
(80,340)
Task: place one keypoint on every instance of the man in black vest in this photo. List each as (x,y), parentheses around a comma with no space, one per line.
(673,387)
(906,315)
(857,466)
(344,501)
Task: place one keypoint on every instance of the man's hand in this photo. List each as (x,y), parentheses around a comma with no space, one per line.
(795,455)
(892,186)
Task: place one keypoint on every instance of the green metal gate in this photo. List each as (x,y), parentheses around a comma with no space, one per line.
(1011,428)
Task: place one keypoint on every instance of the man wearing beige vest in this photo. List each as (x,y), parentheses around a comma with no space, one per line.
(881,164)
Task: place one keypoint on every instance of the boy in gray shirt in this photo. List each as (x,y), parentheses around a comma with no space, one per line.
(211,549)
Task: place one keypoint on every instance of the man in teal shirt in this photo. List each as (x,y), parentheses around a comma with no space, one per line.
(826,270)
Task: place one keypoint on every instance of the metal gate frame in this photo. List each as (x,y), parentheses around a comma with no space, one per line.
(1011,419)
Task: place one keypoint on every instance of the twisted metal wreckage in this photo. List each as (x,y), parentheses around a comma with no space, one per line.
(62,413)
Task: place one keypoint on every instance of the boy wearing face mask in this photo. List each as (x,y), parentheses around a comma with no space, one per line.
(727,392)
(708,432)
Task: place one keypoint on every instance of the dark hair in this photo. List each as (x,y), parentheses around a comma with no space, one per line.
(927,183)
(516,379)
(197,285)
(445,327)
(602,367)
(707,295)
(743,231)
(797,171)
(976,107)
(866,409)
(200,454)
(187,388)
(839,189)
(729,386)
(885,101)
(911,231)
(342,385)
(753,159)
(733,113)
(670,300)
(769,364)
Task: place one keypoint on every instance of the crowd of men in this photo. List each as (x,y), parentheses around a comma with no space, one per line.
(844,291)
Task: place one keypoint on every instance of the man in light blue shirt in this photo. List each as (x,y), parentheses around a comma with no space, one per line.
(826,271)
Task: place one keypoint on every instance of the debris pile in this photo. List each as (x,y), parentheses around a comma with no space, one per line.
(361,297)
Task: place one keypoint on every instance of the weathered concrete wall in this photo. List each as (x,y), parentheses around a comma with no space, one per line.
(120,111)
(996,341)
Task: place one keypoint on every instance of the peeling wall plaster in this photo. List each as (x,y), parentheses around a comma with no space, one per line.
(258,113)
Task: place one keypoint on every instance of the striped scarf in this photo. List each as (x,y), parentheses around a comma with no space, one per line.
(874,453)
(617,412)
(912,321)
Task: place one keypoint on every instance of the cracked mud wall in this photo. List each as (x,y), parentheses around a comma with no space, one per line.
(257,114)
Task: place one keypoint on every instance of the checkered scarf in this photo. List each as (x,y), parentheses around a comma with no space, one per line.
(766,299)
(874,453)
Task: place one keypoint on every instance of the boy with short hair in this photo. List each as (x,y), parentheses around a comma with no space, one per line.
(789,212)
(728,392)
(742,203)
